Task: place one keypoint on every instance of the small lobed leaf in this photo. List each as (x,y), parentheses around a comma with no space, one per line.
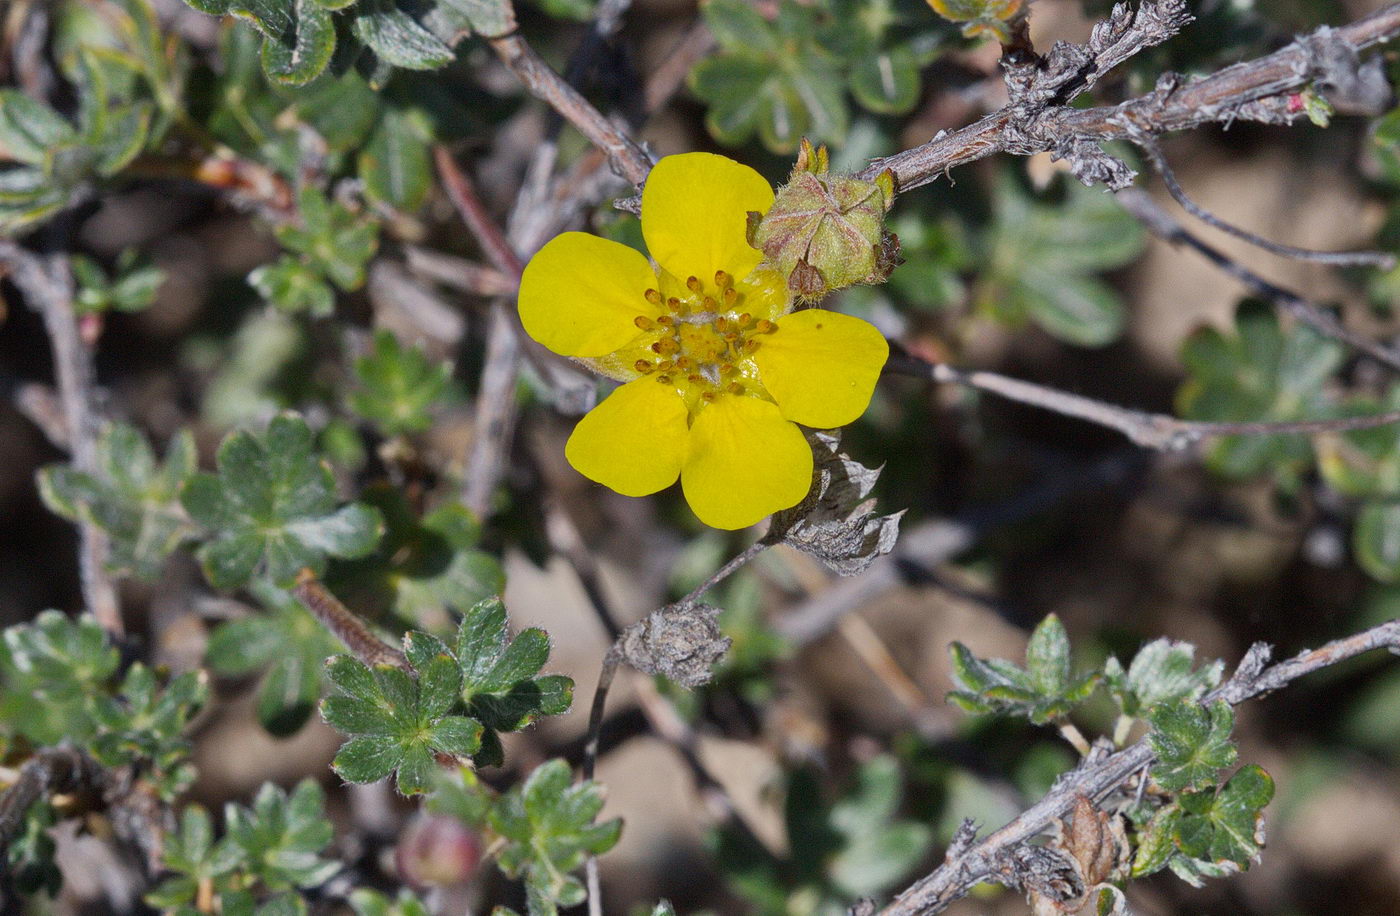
(271,507)
(1192,743)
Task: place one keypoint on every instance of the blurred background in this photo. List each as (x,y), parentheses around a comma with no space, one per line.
(1013,513)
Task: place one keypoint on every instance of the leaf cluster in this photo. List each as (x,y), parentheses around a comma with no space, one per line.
(59,681)
(449,703)
(329,245)
(1044,690)
(300,37)
(787,76)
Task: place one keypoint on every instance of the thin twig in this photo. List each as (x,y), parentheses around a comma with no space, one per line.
(971,863)
(473,212)
(1335,258)
(47,284)
(1161,224)
(1221,97)
(49,771)
(929,545)
(736,563)
(1150,430)
(344,624)
(627,158)
(459,273)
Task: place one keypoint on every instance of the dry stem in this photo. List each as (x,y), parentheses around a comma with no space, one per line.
(970,863)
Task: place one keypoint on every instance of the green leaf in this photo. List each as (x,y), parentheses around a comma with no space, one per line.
(131,288)
(282,836)
(400,720)
(1160,672)
(366,902)
(29,129)
(397,37)
(398,386)
(394,164)
(129,495)
(1228,826)
(548,829)
(1376,540)
(1156,842)
(423,568)
(1044,691)
(272,507)
(886,82)
(143,724)
(192,856)
(288,645)
(1258,373)
(333,241)
(500,678)
(293,287)
(878,850)
(488,18)
(1192,743)
(1041,256)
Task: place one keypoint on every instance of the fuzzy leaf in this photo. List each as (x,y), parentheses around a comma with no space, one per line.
(1044,691)
(1160,672)
(272,507)
(129,495)
(398,386)
(1192,743)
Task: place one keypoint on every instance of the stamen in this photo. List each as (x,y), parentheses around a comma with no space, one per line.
(730,296)
(693,378)
(709,304)
(666,346)
(752,345)
(765,326)
(693,284)
(722,279)
(642,366)
(727,369)
(673,304)
(653,296)
(683,362)
(665,321)
(664,379)
(707,396)
(745,320)
(735,388)
(665,365)
(643,322)
(721,324)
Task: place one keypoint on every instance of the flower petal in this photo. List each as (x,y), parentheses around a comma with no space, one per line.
(694,215)
(634,442)
(745,462)
(580,295)
(821,366)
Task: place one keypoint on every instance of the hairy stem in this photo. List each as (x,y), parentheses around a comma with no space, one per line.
(343,623)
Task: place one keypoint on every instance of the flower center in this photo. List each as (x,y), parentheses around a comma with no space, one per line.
(706,340)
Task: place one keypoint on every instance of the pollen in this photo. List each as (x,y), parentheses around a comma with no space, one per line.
(644,323)
(642,366)
(653,296)
(722,279)
(694,285)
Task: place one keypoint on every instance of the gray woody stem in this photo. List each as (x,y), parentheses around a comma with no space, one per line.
(1220,97)
(970,862)
(1149,430)
(47,285)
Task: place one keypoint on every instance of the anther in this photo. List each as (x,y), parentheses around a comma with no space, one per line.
(695,378)
(665,365)
(745,320)
(709,304)
(752,345)
(722,279)
(735,388)
(653,296)
(694,285)
(707,395)
(727,369)
(673,304)
(721,324)
(730,296)
(664,379)
(731,335)
(665,321)
(765,326)
(683,362)
(642,366)
(665,346)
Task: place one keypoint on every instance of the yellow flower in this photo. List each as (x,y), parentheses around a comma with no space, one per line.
(718,368)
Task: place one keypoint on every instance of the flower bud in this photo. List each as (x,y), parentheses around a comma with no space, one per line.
(825,232)
(436,850)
